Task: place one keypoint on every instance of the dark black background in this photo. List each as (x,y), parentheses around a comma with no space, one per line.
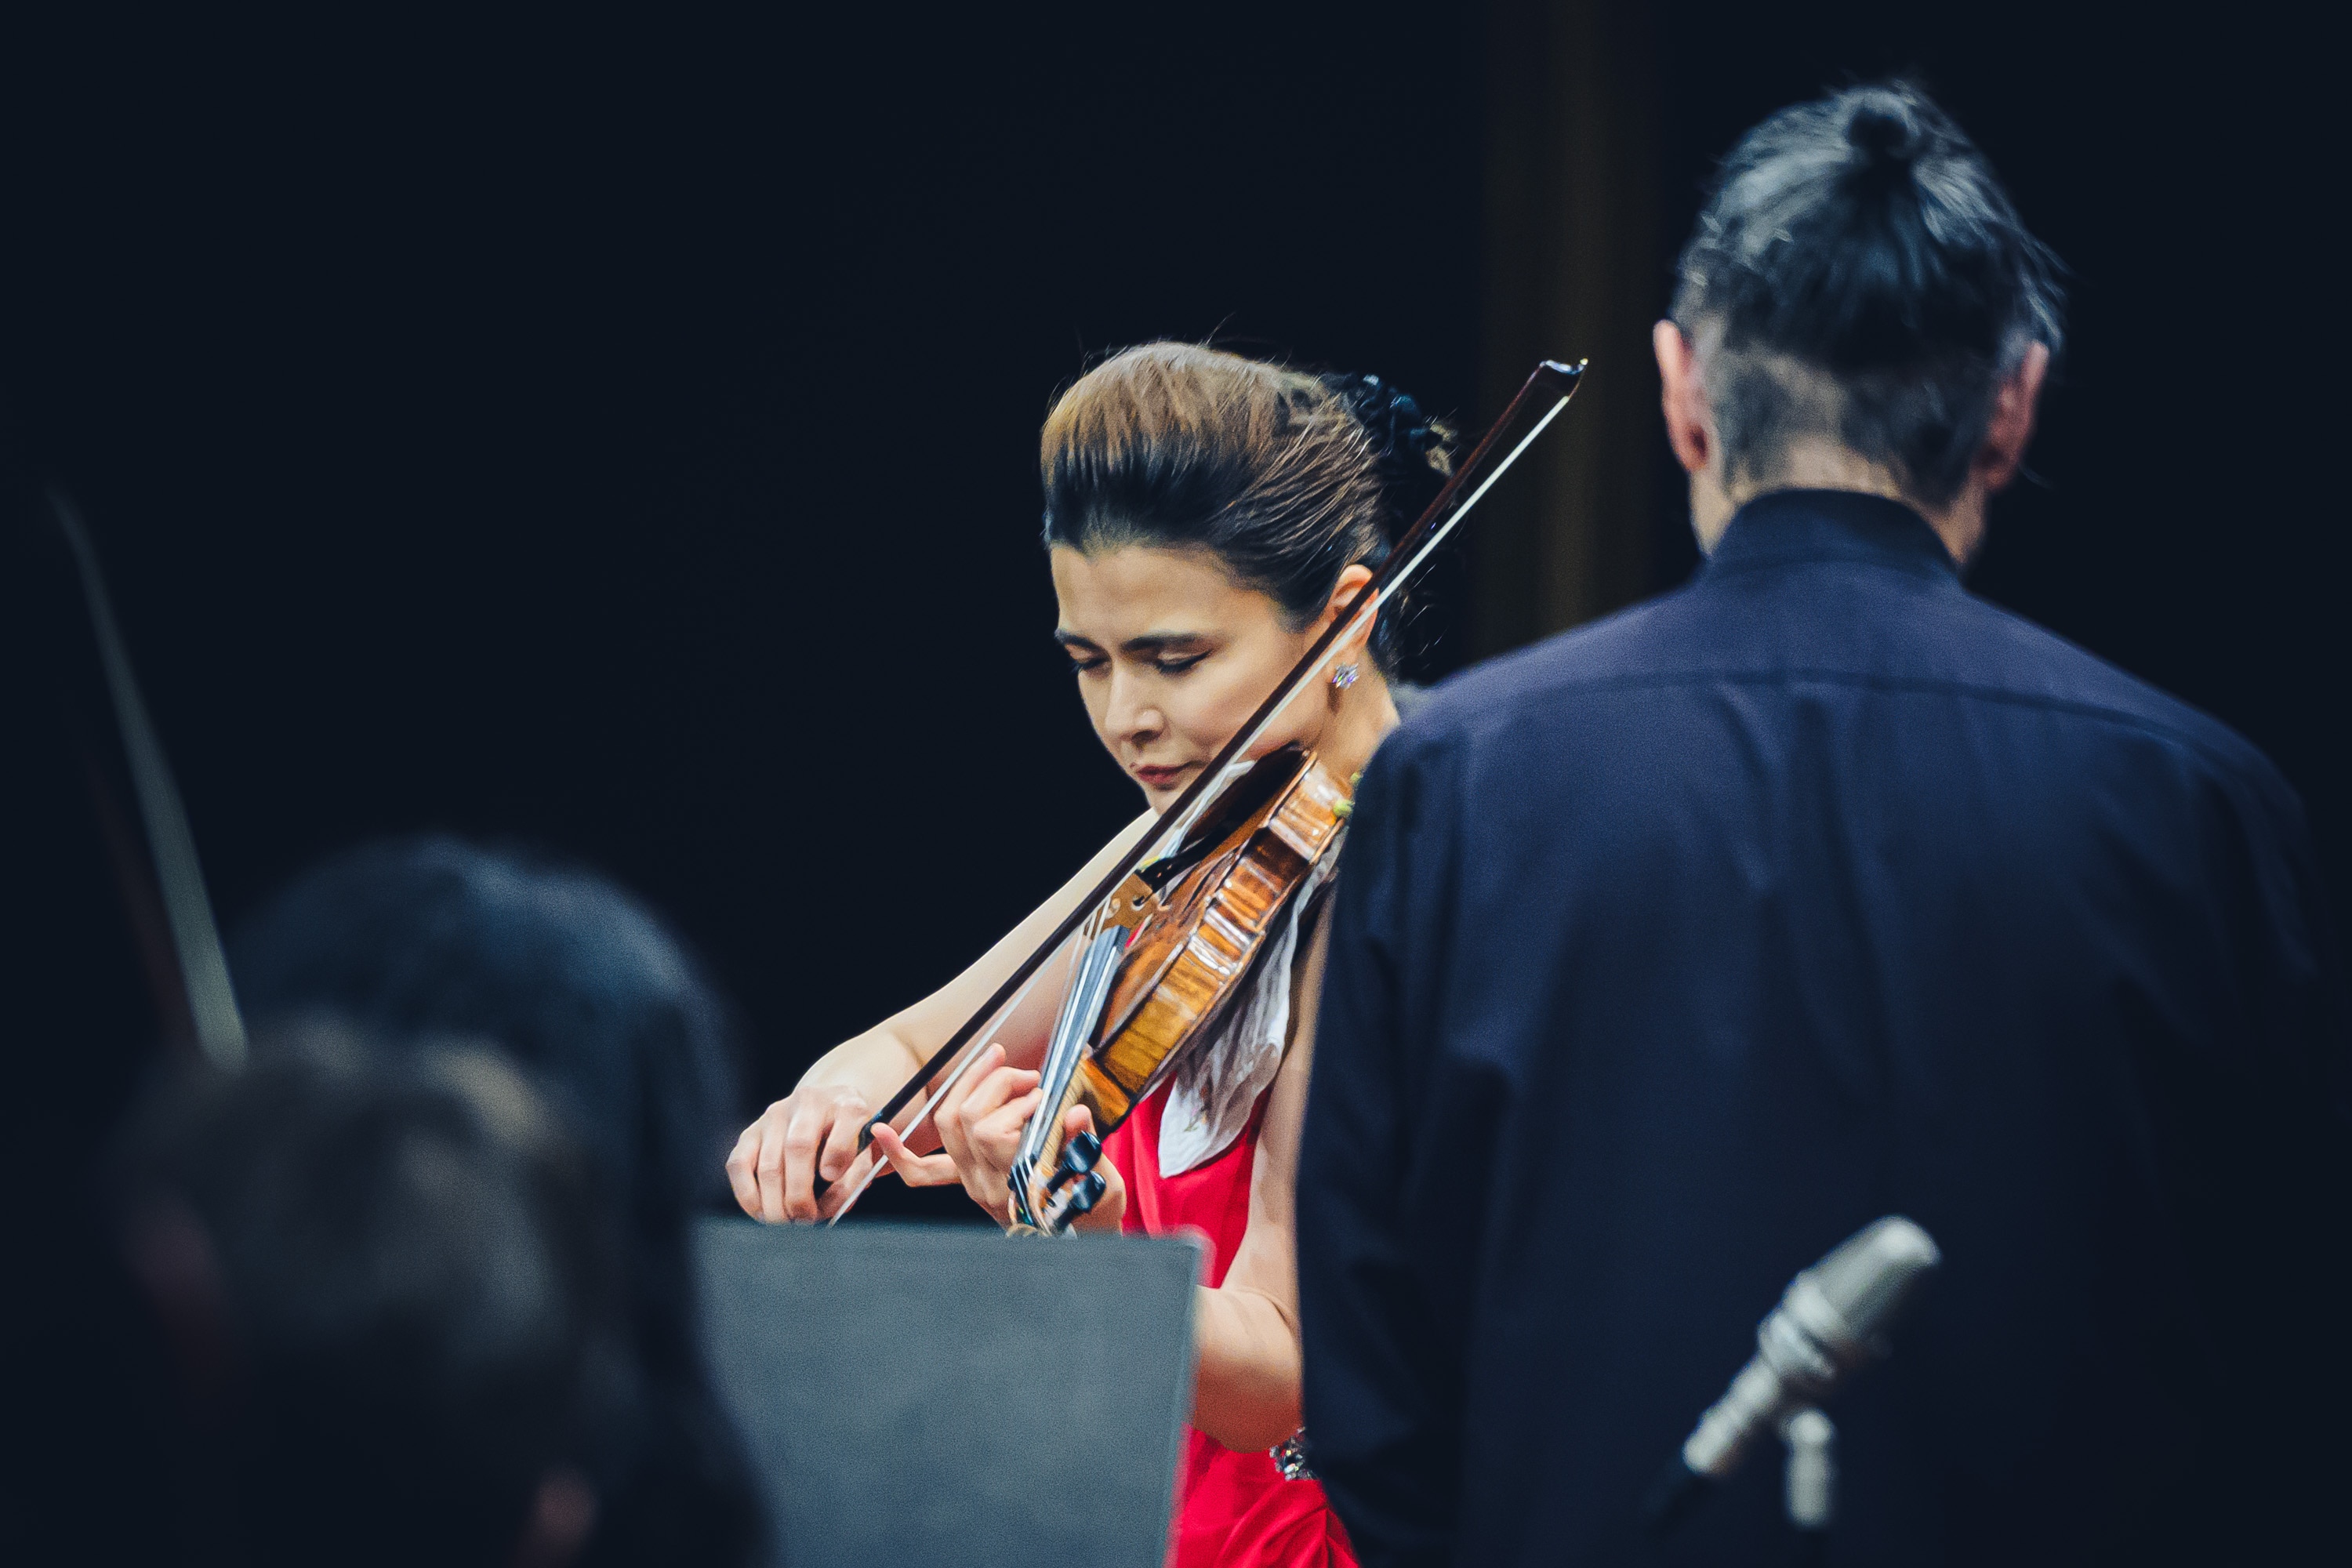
(618,435)
(622,438)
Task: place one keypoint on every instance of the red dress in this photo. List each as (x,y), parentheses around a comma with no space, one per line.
(1233,1510)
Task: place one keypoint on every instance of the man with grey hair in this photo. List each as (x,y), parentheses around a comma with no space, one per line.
(1675,950)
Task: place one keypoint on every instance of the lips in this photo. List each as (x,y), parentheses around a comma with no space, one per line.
(1159,778)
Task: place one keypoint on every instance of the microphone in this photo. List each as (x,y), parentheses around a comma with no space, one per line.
(1831,1324)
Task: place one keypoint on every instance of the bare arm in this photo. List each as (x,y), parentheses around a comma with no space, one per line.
(812,1132)
(1248,1392)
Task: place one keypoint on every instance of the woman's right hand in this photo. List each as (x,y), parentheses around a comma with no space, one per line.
(810,1134)
(980,1123)
(979,1131)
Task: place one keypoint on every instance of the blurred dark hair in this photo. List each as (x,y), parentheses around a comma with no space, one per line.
(1289,478)
(1859,273)
(425,937)
(396,1304)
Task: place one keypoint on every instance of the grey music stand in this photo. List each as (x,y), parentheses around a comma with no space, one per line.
(939,1394)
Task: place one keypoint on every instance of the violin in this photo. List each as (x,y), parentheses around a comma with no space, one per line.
(1177,938)
(1169,941)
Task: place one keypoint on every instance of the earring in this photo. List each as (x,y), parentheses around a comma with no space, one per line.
(1343,676)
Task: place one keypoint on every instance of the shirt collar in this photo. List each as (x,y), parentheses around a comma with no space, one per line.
(1789,526)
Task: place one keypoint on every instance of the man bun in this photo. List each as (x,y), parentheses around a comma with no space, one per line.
(1885,132)
(1858,273)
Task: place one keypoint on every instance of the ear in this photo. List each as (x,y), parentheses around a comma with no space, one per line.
(2015,404)
(1689,424)
(170,1254)
(1351,582)
(562,1517)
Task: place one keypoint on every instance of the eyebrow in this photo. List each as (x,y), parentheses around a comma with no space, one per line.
(1149,643)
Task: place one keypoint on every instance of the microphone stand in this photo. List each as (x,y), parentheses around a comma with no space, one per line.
(1810,1482)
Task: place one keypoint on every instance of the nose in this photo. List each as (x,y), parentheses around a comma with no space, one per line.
(1130,715)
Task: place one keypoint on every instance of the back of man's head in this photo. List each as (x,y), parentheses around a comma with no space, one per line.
(394,1302)
(1858,276)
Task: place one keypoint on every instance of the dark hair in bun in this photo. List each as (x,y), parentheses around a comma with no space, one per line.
(1859,272)
(1288,477)
(1888,140)
(1412,452)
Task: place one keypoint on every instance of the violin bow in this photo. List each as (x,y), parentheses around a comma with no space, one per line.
(172,847)
(1531,410)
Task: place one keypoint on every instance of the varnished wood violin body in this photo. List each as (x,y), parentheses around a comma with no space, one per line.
(1197,921)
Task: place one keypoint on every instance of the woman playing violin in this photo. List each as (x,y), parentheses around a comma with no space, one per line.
(1207,518)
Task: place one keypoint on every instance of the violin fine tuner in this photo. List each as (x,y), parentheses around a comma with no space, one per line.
(1081,1200)
(1076,1171)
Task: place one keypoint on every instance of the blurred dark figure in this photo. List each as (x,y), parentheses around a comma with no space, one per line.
(430,937)
(93,995)
(394,1302)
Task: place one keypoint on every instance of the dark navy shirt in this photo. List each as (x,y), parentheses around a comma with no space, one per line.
(1673,951)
